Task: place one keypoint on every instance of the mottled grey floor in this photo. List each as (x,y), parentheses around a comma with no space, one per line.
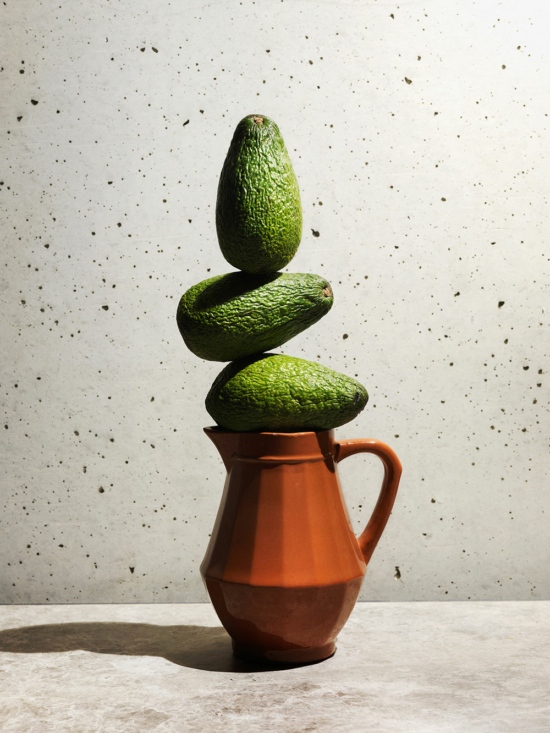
(400,667)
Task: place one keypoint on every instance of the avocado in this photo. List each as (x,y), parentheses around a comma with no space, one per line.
(231,316)
(278,393)
(258,208)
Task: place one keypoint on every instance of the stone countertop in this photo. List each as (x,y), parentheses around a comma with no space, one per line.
(399,667)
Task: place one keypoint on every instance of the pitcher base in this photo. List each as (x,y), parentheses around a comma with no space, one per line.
(283,657)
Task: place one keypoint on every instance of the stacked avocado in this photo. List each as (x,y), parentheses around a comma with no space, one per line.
(239,316)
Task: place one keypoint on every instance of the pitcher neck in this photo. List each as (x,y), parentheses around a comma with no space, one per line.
(272,447)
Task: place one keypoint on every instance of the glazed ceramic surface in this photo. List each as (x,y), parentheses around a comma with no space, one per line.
(283,567)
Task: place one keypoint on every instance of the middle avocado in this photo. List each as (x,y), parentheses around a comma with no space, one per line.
(231,316)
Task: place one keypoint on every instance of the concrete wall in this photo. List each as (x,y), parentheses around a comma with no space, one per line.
(419,133)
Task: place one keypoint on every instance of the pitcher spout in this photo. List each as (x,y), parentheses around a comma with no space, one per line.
(226,442)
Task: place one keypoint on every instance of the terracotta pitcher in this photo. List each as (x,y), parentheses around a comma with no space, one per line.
(283,567)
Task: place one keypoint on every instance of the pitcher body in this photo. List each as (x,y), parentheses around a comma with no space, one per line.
(283,567)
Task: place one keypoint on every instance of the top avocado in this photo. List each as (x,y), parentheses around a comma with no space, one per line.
(258,208)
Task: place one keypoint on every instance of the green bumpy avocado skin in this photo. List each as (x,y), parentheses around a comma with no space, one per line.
(232,316)
(279,393)
(258,208)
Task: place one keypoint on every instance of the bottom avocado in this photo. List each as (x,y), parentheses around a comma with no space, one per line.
(278,393)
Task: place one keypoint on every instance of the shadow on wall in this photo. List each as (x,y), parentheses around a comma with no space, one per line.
(199,647)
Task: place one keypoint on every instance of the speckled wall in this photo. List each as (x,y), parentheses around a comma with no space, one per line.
(419,133)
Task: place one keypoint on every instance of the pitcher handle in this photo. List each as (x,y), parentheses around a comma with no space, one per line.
(392,473)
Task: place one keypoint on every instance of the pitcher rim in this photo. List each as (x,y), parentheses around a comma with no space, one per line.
(217,429)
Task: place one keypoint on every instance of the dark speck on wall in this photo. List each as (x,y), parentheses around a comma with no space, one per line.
(315,233)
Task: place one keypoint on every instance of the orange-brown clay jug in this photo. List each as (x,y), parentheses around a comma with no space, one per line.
(283,567)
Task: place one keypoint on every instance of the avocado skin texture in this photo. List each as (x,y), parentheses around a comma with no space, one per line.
(279,393)
(231,316)
(258,208)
